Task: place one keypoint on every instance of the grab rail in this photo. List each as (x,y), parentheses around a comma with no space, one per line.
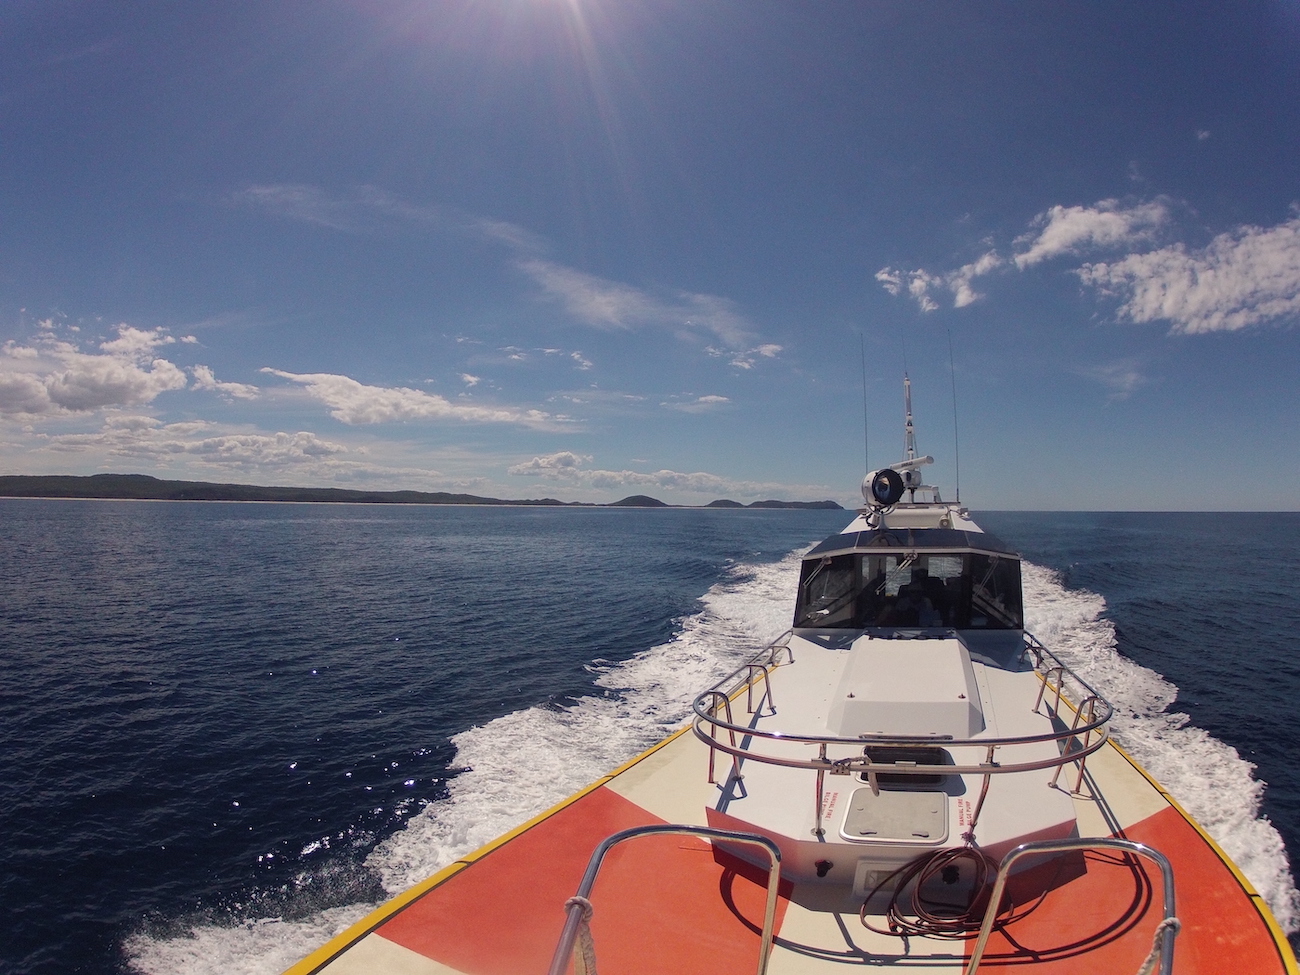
(1165,932)
(1083,736)
(578,904)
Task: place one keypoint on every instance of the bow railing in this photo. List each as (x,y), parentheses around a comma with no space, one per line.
(1078,715)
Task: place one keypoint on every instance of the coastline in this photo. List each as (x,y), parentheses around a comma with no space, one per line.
(144,487)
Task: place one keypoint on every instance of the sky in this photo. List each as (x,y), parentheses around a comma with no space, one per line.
(584,249)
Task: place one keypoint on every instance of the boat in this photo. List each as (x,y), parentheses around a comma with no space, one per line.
(905,779)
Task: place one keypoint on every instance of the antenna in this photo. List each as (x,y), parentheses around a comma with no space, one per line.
(909,431)
(956,441)
(866,441)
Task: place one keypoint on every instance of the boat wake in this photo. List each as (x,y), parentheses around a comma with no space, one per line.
(522,763)
(1211,781)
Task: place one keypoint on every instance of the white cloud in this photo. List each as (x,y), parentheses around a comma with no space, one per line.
(1122,378)
(1059,230)
(550,464)
(206,380)
(701,404)
(135,343)
(716,315)
(890,280)
(960,280)
(613,305)
(53,377)
(567,466)
(355,403)
(592,300)
(1245,277)
(134,421)
(469,380)
(746,358)
(127,435)
(24,393)
(1068,230)
(582,361)
(94,382)
(605,304)
(510,234)
(204,450)
(192,448)
(366,209)
(917,284)
(920,284)
(608,402)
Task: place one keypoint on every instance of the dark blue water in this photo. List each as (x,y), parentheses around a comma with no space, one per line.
(1210,601)
(193,691)
(194,694)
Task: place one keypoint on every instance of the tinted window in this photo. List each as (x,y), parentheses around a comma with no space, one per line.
(995,602)
(826,592)
(958,591)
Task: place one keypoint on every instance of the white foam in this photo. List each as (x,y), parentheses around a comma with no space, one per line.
(525,762)
(261,946)
(1207,776)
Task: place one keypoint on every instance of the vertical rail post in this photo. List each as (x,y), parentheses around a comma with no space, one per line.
(821,783)
(719,697)
(984,791)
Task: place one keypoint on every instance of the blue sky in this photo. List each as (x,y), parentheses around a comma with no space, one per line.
(590,248)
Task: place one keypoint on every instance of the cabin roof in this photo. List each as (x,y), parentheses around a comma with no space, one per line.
(931,539)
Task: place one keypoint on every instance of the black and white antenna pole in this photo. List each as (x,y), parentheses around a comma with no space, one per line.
(956,441)
(909,431)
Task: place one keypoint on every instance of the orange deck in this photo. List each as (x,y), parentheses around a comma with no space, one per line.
(666,905)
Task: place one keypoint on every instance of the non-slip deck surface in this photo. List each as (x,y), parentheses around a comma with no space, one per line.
(666,905)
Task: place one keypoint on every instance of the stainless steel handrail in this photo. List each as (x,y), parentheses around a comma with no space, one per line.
(1167,932)
(706,707)
(569,934)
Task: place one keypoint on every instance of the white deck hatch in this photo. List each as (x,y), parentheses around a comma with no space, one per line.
(897,816)
(907,687)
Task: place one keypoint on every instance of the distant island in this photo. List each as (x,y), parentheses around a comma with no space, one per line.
(142,487)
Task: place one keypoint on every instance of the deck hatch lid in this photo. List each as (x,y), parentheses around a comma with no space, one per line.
(898,817)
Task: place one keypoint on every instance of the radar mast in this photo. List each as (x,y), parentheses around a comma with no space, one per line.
(885,487)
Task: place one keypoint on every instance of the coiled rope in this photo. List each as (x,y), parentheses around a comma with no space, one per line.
(911,915)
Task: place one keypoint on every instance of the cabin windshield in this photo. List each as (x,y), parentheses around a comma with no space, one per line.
(957,590)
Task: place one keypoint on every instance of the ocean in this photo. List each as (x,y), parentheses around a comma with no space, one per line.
(229,730)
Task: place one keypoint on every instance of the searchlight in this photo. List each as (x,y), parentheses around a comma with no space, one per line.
(884,487)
